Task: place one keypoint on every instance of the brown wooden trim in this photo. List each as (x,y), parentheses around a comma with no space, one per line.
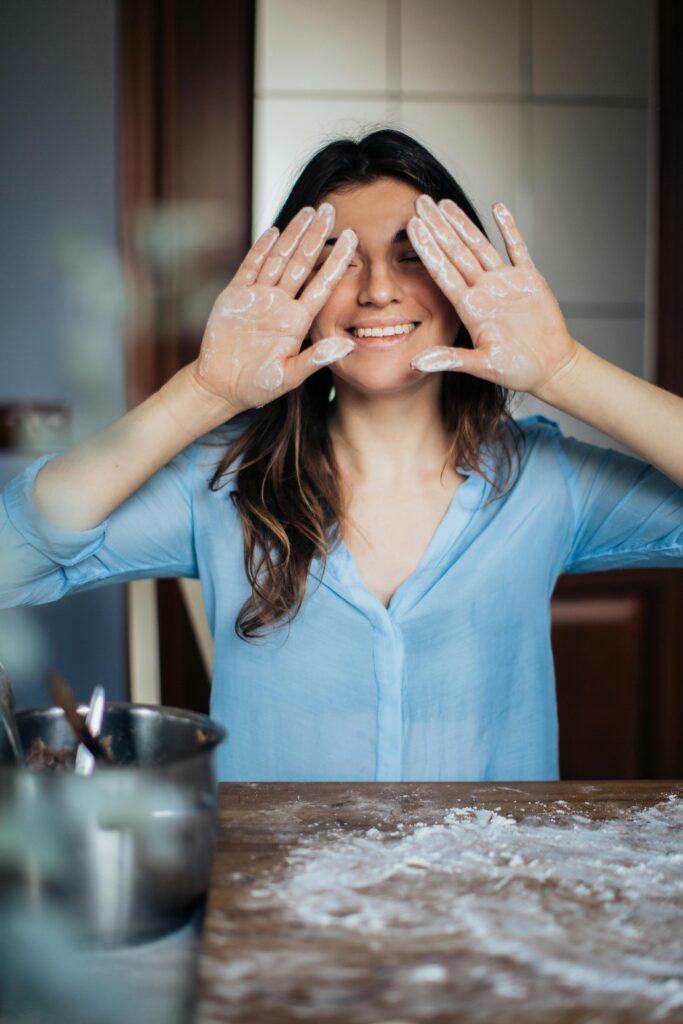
(184,682)
(670,203)
(138,187)
(186,99)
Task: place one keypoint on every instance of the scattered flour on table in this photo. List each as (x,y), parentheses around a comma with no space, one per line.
(534,911)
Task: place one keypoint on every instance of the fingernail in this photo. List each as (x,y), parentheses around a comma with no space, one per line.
(325,210)
(424,203)
(500,208)
(305,218)
(432,362)
(331,349)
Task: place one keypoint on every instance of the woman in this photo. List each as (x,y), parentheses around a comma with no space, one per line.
(376,568)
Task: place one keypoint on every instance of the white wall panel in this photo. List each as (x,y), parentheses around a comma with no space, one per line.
(287,132)
(478,143)
(589,188)
(460,46)
(321,44)
(620,342)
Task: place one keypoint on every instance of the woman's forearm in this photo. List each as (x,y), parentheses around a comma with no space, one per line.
(80,488)
(643,417)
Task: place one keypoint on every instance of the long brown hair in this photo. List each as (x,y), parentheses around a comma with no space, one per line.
(287,483)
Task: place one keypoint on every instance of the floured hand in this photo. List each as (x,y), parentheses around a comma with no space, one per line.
(251,349)
(520,337)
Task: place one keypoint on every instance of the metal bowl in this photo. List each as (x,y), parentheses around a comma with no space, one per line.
(125,852)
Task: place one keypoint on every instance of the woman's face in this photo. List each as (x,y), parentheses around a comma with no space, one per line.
(385,286)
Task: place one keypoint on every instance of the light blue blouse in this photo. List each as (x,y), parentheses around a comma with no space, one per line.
(453,681)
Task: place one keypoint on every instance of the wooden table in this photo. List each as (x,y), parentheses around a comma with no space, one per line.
(266,957)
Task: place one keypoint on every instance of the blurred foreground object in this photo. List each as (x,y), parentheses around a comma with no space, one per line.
(123,855)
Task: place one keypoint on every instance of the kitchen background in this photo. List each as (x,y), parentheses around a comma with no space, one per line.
(60,294)
(549,106)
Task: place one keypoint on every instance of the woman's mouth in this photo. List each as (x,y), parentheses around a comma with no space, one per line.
(382,337)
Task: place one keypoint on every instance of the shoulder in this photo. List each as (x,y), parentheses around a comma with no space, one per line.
(522,441)
(537,437)
(538,428)
(546,447)
(531,455)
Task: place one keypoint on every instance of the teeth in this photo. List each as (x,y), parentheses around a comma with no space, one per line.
(381,332)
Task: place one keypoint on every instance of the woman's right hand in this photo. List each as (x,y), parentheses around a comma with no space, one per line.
(251,349)
(250,354)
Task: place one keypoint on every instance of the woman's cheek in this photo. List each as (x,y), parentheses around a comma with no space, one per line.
(337,311)
(324,325)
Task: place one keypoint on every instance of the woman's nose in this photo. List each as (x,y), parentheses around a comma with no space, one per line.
(379,285)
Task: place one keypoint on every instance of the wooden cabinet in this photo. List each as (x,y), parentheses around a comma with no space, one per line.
(618,648)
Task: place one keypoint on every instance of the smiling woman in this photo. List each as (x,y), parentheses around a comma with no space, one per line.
(388,303)
(407,533)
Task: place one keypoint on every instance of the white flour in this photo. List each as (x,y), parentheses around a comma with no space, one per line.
(479,911)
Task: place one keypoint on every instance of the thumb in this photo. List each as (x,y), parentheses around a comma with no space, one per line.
(324,352)
(442,357)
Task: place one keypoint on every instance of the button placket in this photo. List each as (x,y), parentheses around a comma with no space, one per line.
(389,664)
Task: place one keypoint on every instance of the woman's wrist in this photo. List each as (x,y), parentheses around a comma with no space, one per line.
(193,409)
(555,390)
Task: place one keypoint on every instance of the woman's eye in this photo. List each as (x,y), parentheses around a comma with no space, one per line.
(350,266)
(410,257)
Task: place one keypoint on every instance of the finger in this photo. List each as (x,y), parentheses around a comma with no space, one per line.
(447,276)
(442,358)
(470,233)
(514,243)
(452,245)
(310,247)
(247,272)
(323,353)
(274,266)
(319,290)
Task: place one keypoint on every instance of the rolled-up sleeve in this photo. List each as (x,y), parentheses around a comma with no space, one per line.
(149,535)
(626,513)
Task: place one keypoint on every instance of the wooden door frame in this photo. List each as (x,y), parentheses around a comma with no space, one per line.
(186,72)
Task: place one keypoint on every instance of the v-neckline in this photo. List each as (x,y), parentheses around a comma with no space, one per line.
(343,570)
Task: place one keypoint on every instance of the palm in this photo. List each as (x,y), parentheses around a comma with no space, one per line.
(251,349)
(506,313)
(251,331)
(519,336)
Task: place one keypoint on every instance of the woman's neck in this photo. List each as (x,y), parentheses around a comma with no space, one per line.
(388,440)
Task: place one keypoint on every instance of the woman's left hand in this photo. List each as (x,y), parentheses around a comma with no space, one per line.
(520,337)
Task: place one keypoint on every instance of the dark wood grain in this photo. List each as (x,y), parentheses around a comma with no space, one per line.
(185,160)
(260,823)
(618,652)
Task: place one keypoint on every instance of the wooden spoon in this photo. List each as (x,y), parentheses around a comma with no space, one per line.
(9,718)
(63,695)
